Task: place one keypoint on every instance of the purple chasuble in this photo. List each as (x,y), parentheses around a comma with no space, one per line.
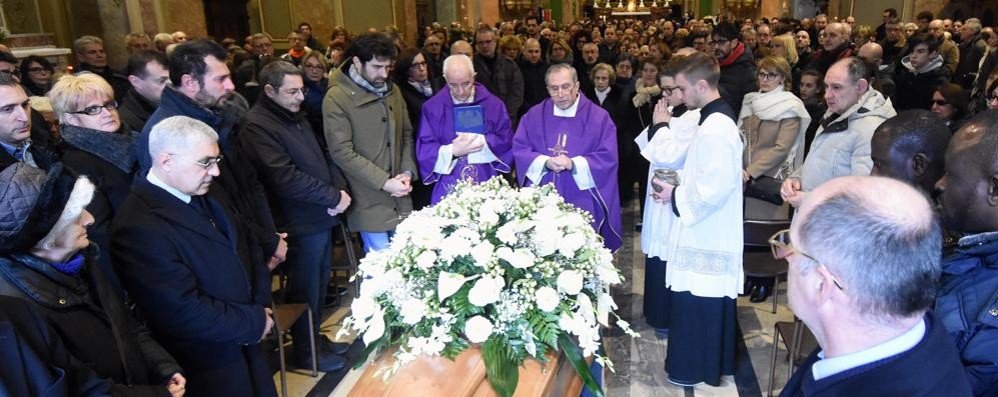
(436,129)
(590,134)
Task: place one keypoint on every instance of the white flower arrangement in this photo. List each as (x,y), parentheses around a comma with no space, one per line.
(517,271)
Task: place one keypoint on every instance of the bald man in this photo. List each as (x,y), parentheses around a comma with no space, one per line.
(868,305)
(462,47)
(911,148)
(968,294)
(947,48)
(838,45)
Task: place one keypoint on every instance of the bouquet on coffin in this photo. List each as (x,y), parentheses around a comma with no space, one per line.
(518,271)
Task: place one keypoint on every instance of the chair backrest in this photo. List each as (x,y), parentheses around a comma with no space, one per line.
(757,232)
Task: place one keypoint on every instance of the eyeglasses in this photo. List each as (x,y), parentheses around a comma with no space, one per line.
(418,65)
(208,162)
(767,76)
(940,102)
(668,90)
(37,69)
(718,42)
(313,67)
(779,243)
(991,97)
(96,109)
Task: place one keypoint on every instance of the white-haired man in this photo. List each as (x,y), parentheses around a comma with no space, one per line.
(464,133)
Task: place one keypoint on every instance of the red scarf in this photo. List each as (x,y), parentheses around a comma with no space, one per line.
(735,53)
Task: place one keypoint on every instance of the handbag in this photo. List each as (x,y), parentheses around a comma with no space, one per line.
(765,188)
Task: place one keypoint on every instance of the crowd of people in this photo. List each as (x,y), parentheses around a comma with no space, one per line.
(144,228)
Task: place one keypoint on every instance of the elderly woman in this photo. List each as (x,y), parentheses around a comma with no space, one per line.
(95,145)
(413,78)
(560,52)
(773,122)
(47,261)
(949,102)
(36,75)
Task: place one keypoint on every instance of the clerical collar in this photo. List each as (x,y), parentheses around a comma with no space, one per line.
(716,106)
(826,367)
(151,177)
(570,112)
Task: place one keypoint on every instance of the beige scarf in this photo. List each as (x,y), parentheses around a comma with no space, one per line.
(644,93)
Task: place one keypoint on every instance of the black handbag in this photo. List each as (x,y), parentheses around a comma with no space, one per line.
(765,188)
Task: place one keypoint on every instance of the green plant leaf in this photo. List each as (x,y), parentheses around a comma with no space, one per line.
(500,367)
(574,356)
(362,358)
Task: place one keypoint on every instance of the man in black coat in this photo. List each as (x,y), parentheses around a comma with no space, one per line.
(497,73)
(90,57)
(533,67)
(147,73)
(202,89)
(870,314)
(306,193)
(737,66)
(187,264)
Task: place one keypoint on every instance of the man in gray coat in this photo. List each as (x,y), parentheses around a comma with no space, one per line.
(841,146)
(370,138)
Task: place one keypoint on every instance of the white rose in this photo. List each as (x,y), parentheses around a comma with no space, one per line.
(570,282)
(570,243)
(547,298)
(485,291)
(546,238)
(478,329)
(413,311)
(426,259)
(483,253)
(507,233)
(487,213)
(448,284)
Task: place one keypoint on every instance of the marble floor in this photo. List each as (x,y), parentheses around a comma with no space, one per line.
(638,362)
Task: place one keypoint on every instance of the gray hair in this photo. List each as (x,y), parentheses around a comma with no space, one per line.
(559,67)
(887,260)
(176,132)
(83,41)
(449,62)
(974,24)
(273,74)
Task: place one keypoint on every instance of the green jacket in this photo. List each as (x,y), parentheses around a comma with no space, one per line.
(371,139)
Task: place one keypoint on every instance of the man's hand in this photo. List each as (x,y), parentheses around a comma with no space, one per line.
(176,385)
(280,254)
(342,206)
(661,113)
(397,187)
(745,177)
(466,143)
(791,193)
(269,324)
(665,195)
(559,163)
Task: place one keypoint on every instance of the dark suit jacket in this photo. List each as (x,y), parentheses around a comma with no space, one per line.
(931,368)
(199,290)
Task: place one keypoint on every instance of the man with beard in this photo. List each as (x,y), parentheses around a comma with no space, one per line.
(203,90)
(947,48)
(532,67)
(371,139)
(737,66)
(967,302)
(533,24)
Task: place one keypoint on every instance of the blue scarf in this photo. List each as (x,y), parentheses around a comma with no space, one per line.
(72,266)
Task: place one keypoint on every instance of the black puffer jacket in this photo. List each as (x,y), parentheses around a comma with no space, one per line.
(92,321)
(737,78)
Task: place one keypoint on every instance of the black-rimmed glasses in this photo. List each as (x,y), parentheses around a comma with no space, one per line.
(96,109)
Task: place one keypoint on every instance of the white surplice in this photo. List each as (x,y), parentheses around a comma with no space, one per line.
(666,150)
(707,245)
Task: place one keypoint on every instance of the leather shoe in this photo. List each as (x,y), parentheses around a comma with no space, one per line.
(325,362)
(327,345)
(759,294)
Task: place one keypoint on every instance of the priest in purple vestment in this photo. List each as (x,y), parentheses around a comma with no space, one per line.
(571,142)
(476,147)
